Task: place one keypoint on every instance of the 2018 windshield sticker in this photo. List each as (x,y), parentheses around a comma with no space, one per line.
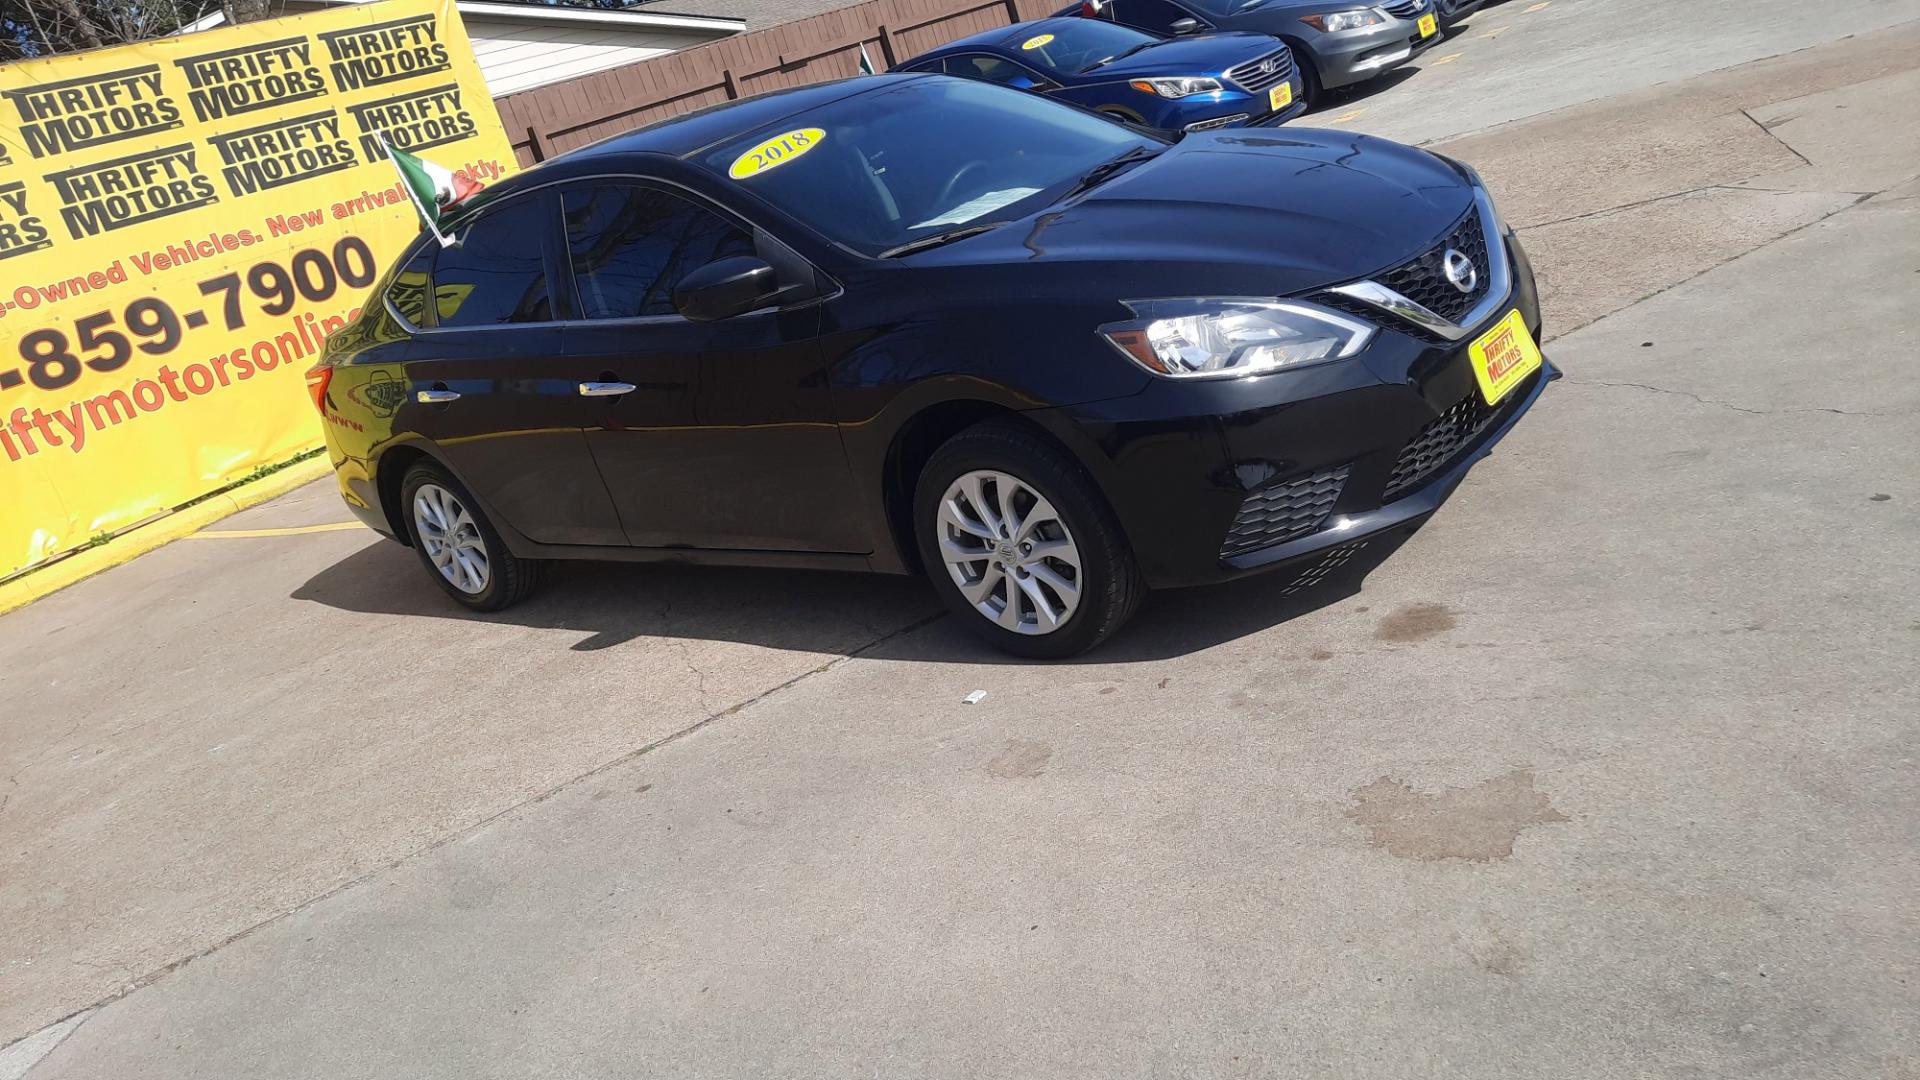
(775,152)
(1036,41)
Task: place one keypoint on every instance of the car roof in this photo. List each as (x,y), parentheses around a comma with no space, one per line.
(1003,37)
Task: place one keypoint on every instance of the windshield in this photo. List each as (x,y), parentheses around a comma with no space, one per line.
(1082,45)
(885,168)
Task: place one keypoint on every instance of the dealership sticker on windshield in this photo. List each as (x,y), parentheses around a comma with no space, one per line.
(775,152)
(1036,41)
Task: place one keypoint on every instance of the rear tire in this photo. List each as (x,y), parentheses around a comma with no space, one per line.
(1020,544)
(460,548)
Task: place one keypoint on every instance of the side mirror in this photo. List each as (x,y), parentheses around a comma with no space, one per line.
(1184,26)
(726,287)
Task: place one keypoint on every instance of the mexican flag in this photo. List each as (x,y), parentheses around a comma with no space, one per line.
(866,62)
(434,190)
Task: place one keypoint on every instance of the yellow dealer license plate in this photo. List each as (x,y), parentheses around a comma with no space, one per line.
(1281,96)
(1503,356)
(1429,25)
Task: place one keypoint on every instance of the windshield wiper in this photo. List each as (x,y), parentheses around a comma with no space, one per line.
(1099,173)
(1118,56)
(938,239)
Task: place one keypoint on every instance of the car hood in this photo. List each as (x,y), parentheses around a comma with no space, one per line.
(1203,54)
(1277,212)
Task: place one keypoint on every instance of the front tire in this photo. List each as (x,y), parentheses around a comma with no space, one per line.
(1310,89)
(460,548)
(1020,544)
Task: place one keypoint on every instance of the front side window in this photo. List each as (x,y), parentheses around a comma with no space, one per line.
(630,245)
(992,69)
(496,273)
(911,159)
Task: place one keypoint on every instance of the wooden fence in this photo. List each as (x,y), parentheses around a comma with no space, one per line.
(552,119)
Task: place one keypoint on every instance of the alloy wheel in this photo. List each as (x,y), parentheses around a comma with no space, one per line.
(1009,552)
(451,539)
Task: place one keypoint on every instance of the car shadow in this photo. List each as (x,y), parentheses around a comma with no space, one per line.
(610,604)
(1345,96)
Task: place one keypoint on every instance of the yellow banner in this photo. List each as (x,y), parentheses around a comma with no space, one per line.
(182,222)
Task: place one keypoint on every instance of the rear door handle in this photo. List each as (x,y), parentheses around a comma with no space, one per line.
(437,397)
(605,389)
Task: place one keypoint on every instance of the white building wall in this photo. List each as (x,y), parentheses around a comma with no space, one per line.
(519,56)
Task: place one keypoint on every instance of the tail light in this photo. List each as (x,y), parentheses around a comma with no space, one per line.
(319,377)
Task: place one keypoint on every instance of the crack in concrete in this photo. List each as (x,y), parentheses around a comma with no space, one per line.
(1728,261)
(1696,398)
(1784,143)
(686,655)
(22,1056)
(1638,203)
(1618,207)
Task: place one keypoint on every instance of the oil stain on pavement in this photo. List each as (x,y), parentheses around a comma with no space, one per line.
(1417,622)
(1021,758)
(1478,823)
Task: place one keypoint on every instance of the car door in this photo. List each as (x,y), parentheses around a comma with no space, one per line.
(716,434)
(492,390)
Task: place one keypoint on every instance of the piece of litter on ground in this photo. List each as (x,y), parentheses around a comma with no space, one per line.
(974,698)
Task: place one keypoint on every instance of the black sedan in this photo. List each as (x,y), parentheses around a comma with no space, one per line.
(907,323)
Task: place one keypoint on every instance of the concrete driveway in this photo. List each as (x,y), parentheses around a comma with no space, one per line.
(1608,772)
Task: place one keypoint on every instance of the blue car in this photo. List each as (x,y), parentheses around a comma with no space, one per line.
(1189,83)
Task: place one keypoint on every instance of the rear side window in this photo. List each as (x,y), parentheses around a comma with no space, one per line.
(497,273)
(630,245)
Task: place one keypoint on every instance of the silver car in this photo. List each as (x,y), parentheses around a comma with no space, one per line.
(1336,44)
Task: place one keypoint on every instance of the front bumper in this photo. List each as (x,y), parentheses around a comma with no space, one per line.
(1233,108)
(1180,460)
(1353,56)
(1410,508)
(1275,119)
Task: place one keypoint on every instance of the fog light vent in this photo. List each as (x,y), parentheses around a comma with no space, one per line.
(1285,511)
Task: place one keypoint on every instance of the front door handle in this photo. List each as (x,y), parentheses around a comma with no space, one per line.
(437,397)
(605,389)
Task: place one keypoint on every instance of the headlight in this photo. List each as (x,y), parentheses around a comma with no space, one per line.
(1177,88)
(1222,338)
(1335,21)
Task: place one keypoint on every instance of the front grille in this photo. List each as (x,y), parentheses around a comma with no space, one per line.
(1424,280)
(1255,81)
(1217,122)
(1282,512)
(1406,10)
(1438,443)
